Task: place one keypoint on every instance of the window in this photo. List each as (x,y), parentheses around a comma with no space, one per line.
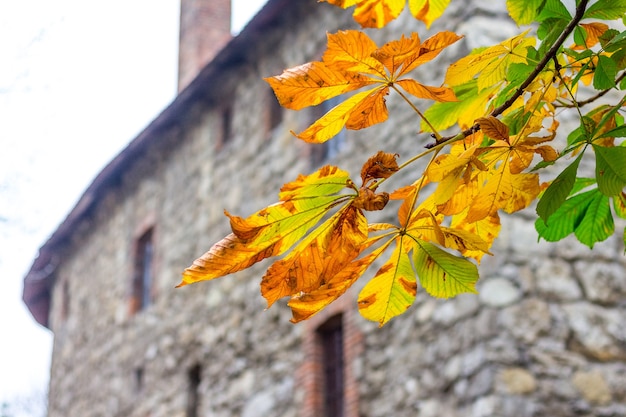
(143,274)
(65,300)
(226,122)
(138,380)
(331,343)
(274,112)
(193,393)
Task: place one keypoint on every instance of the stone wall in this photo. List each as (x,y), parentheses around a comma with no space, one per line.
(545,336)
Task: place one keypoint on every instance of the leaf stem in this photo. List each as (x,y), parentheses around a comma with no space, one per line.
(437,135)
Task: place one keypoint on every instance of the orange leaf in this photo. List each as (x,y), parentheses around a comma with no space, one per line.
(307,304)
(312,83)
(396,53)
(370,201)
(351,50)
(370,111)
(427,92)
(227,256)
(381,165)
(321,255)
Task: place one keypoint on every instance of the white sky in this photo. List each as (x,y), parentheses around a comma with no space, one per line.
(78,80)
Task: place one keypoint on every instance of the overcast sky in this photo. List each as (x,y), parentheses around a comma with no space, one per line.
(78,80)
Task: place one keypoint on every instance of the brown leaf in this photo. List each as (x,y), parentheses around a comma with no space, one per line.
(494,128)
(370,201)
(381,165)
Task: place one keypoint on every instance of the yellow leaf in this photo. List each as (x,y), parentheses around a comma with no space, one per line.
(392,290)
(332,122)
(503,190)
(486,229)
(377,13)
(429,229)
(312,83)
(428,10)
(489,64)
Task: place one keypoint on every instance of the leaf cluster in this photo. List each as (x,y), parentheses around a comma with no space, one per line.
(505,102)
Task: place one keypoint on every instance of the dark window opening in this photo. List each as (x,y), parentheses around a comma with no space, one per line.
(275,112)
(65,300)
(331,343)
(143,275)
(227,124)
(138,380)
(193,393)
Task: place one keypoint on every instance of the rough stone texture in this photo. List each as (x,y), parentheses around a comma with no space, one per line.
(592,386)
(547,327)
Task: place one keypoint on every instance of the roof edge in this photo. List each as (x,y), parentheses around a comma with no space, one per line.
(39,280)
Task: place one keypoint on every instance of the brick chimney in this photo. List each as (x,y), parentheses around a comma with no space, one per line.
(204,30)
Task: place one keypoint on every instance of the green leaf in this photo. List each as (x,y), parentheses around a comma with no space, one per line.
(580,35)
(587,215)
(524,12)
(548,31)
(610,169)
(558,191)
(604,76)
(606,10)
(442,115)
(554,9)
(597,223)
(612,38)
(566,218)
(442,274)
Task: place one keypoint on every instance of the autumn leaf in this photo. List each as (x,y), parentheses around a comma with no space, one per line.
(428,10)
(274,229)
(378,13)
(352,61)
(319,256)
(381,165)
(493,128)
(312,83)
(489,66)
(392,290)
(306,304)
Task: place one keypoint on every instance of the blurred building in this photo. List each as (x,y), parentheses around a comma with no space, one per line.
(546,336)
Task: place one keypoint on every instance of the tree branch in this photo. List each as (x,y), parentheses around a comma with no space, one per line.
(580,11)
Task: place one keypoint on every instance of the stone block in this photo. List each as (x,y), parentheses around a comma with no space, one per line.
(592,386)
